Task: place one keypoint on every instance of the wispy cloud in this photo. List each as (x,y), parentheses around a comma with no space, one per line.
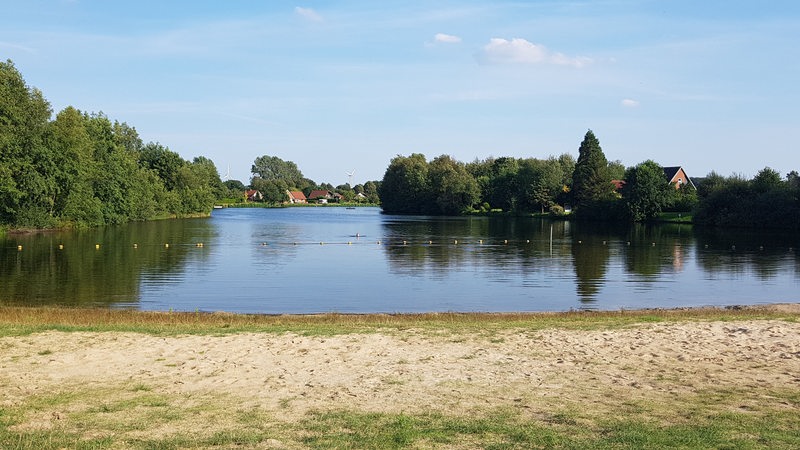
(446,38)
(629,103)
(521,51)
(308,14)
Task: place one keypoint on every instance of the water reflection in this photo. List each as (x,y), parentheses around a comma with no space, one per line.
(270,261)
(97,267)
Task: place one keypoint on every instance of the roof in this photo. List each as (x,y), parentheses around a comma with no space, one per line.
(670,172)
(317,193)
(297,195)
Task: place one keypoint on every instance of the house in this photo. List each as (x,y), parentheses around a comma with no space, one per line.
(296,197)
(618,184)
(253,195)
(320,195)
(677,176)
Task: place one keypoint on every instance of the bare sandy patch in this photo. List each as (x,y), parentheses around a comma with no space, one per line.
(288,375)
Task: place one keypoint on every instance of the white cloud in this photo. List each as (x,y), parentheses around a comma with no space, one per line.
(308,14)
(629,103)
(521,51)
(446,38)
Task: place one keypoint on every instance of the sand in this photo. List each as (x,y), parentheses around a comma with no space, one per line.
(413,370)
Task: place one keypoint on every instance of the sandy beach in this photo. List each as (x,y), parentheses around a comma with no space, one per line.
(288,375)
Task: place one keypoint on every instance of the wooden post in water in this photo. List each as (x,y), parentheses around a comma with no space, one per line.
(551,239)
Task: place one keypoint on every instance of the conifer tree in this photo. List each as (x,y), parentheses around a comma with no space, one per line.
(590,180)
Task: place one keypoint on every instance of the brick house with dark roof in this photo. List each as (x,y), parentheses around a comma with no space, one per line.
(677,176)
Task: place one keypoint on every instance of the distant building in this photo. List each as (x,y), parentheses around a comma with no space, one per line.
(320,195)
(677,177)
(253,195)
(296,197)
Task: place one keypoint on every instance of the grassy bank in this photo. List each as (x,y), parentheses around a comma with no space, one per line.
(149,410)
(26,320)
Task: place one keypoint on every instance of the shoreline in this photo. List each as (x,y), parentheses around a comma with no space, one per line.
(721,378)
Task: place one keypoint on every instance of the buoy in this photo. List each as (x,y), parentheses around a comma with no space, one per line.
(580,242)
(527,241)
(349,243)
(61,246)
(166,245)
(430,242)
(135,245)
(321,243)
(200,244)
(97,246)
(604,242)
(629,242)
(505,241)
(761,247)
(19,248)
(480,241)
(404,242)
(653,244)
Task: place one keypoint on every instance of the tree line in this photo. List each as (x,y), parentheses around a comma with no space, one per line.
(82,169)
(591,187)
(273,177)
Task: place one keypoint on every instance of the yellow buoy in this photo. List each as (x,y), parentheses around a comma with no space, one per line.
(455,242)
(505,241)
(135,245)
(480,241)
(97,246)
(19,248)
(166,245)
(61,246)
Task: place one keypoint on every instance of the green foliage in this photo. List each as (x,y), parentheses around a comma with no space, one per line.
(84,170)
(646,193)
(763,202)
(591,182)
(405,188)
(272,168)
(455,190)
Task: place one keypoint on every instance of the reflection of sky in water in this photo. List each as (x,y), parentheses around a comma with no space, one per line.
(271,261)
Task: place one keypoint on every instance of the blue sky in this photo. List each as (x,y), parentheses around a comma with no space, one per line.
(341,85)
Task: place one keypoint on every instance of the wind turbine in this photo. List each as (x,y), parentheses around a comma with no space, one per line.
(350,177)
(227,174)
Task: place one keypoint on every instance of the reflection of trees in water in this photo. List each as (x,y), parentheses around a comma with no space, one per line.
(764,253)
(590,259)
(80,274)
(651,250)
(488,244)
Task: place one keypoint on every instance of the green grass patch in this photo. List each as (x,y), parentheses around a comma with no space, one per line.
(17,321)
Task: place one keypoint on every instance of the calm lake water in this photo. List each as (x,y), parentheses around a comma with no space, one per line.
(309,260)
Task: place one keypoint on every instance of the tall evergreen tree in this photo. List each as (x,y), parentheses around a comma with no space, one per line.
(591,182)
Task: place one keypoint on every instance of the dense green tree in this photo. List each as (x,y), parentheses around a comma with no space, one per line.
(767,180)
(273,168)
(616,170)
(371,191)
(591,182)
(453,188)
(503,187)
(274,191)
(540,183)
(646,193)
(166,163)
(404,188)
(27,184)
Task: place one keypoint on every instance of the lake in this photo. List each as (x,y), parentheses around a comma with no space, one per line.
(325,259)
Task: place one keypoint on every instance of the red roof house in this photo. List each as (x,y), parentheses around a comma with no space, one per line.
(296,197)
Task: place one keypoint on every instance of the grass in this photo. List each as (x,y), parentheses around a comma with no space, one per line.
(140,415)
(17,321)
(152,421)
